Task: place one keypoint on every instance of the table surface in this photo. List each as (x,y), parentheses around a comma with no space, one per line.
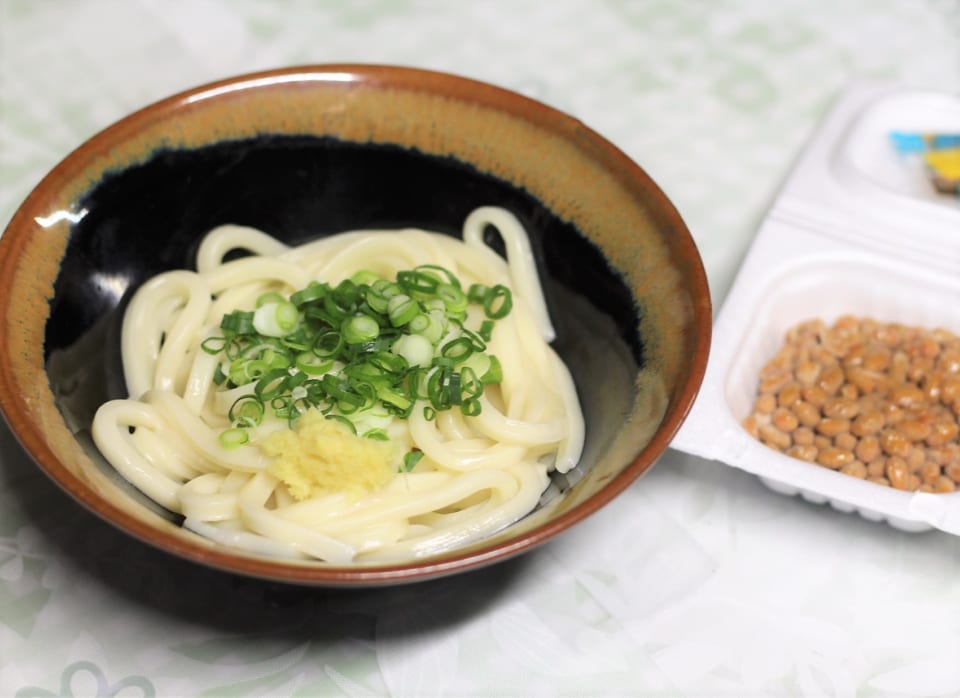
(697,581)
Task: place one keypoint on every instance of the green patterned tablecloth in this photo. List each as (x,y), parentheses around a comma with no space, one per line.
(698,581)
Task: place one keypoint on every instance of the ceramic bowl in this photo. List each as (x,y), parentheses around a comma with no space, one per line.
(308,151)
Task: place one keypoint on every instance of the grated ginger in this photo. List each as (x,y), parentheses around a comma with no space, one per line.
(322,456)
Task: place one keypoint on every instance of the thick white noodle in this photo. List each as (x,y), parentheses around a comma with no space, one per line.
(227,238)
(158,328)
(111,432)
(478,474)
(523,266)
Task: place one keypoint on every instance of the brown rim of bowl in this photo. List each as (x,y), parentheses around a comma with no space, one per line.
(464,89)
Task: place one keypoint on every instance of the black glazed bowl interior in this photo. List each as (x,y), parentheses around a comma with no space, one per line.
(307,152)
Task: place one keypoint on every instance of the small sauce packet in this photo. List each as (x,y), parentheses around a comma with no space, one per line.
(939,153)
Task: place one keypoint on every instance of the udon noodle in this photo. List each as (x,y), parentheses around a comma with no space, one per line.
(479,470)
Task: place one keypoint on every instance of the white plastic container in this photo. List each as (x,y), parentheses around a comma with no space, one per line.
(854,231)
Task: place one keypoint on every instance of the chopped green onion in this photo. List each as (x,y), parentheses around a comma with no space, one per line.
(388,362)
(414,348)
(471,407)
(270,297)
(457,349)
(285,408)
(451,386)
(394,400)
(476,341)
(419,324)
(342,394)
(471,387)
(410,460)
(239,322)
(333,312)
(243,371)
(343,420)
(453,298)
(271,384)
(377,302)
(494,374)
(478,293)
(276,319)
(214,345)
(313,365)
(233,348)
(478,363)
(311,294)
(418,282)
(498,302)
(234,437)
(365,277)
(328,344)
(367,392)
(345,297)
(366,343)
(359,329)
(246,411)
(486,330)
(402,309)
(437,270)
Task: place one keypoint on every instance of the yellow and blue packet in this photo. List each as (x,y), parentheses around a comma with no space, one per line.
(940,153)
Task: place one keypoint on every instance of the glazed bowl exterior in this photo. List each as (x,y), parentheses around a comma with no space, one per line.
(308,151)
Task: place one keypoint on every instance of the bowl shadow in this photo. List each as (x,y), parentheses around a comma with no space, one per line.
(91,552)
